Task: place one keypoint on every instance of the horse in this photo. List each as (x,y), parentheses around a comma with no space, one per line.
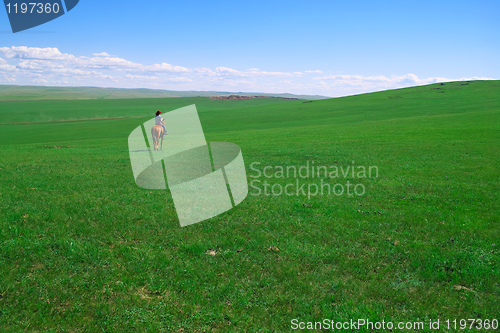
(157,133)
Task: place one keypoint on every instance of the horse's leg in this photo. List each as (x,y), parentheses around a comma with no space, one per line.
(153,136)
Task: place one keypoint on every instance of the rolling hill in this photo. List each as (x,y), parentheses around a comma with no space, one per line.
(22,93)
(82,248)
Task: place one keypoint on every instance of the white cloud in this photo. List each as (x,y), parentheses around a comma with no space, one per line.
(205,71)
(103,60)
(102,54)
(141,77)
(49,66)
(164,67)
(382,81)
(474,78)
(112,63)
(148,78)
(179,79)
(5,67)
(257,72)
(252,72)
(24,52)
(225,70)
(38,65)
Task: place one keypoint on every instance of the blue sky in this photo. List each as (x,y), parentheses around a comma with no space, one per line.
(331,48)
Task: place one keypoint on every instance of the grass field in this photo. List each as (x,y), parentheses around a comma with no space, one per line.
(83,249)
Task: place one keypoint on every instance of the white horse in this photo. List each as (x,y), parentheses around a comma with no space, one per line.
(157,133)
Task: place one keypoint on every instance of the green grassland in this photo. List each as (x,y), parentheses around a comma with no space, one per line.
(83,249)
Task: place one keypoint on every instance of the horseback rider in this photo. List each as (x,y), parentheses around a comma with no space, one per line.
(159,121)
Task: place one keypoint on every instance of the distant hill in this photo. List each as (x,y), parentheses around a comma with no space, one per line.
(13,93)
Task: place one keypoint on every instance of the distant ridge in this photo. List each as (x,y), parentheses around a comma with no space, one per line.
(13,93)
